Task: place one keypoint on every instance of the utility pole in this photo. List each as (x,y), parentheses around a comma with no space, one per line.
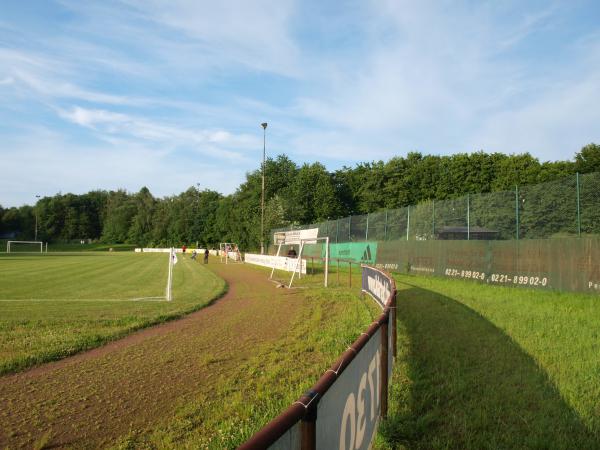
(36,218)
(262,198)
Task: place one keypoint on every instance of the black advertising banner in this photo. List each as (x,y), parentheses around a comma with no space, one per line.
(376,284)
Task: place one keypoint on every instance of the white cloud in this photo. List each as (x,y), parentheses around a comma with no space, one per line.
(110,125)
(67,166)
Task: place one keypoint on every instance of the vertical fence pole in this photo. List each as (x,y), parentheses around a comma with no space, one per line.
(350,272)
(433,219)
(517,209)
(578,205)
(394,326)
(407,221)
(349,228)
(384,369)
(367,230)
(385,226)
(337,230)
(308,425)
(468,217)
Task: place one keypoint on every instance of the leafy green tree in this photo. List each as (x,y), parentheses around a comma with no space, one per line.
(120,210)
(141,223)
(588,159)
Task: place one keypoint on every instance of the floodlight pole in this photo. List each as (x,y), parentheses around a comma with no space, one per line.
(36,218)
(262,198)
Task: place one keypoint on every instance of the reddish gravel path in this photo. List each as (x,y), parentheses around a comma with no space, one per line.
(93,398)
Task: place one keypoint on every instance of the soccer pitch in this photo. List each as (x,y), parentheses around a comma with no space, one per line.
(54,305)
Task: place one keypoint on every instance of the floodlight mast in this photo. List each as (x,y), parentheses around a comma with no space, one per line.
(36,218)
(262,198)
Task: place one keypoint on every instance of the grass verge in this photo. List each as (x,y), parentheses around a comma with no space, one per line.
(273,377)
(492,367)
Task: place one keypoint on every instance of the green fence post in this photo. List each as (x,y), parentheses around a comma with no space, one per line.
(385,226)
(578,204)
(468,217)
(407,221)
(517,209)
(349,228)
(367,230)
(433,214)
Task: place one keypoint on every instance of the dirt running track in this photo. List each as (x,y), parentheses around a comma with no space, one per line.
(93,398)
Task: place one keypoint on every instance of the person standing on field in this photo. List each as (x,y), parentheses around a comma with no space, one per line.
(206,256)
(183,249)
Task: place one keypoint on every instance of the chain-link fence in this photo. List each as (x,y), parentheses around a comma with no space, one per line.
(562,208)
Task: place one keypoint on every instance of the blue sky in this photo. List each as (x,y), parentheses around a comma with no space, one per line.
(132,93)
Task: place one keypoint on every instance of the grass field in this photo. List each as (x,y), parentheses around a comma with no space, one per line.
(493,367)
(54,305)
(272,378)
(479,366)
(67,247)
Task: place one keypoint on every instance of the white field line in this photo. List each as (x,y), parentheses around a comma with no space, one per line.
(82,299)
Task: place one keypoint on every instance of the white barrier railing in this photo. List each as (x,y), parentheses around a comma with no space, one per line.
(275,262)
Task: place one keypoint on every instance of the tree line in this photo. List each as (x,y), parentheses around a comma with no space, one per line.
(294,195)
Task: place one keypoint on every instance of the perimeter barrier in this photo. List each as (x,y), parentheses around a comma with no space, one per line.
(543,236)
(568,207)
(344,408)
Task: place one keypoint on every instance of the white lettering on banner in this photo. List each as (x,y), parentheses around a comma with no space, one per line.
(277,262)
(354,410)
(348,415)
(295,236)
(379,288)
(361,423)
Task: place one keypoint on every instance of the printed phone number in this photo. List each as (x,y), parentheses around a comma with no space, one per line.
(472,274)
(523,280)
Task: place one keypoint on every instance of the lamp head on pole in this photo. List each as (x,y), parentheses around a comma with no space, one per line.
(264,125)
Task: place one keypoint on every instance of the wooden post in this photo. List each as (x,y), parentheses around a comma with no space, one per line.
(395,326)
(384,369)
(350,271)
(308,425)
(308,433)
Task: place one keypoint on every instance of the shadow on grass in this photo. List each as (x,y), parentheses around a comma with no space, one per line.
(463,383)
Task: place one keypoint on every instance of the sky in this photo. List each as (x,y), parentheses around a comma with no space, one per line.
(171,94)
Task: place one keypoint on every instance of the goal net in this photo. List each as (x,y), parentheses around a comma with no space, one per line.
(306,254)
(25,246)
(229,251)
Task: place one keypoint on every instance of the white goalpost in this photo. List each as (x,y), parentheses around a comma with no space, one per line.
(301,238)
(172,262)
(229,251)
(11,244)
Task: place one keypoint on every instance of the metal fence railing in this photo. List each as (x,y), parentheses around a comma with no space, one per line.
(344,407)
(562,208)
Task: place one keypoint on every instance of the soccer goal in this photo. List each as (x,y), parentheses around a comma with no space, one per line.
(229,251)
(296,259)
(25,246)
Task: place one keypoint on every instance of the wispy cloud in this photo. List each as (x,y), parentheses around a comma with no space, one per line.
(185,85)
(109,124)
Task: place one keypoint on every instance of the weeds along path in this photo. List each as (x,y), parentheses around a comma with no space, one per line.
(93,398)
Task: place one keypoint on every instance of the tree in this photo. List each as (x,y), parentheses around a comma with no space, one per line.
(588,159)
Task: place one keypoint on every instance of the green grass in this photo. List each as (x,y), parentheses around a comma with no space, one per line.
(67,247)
(492,367)
(270,380)
(55,305)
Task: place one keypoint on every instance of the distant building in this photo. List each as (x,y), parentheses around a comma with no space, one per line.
(464,233)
